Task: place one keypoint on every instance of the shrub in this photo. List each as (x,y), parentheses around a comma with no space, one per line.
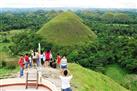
(11,64)
(3,64)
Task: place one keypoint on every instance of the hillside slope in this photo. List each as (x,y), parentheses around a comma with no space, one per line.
(66,29)
(88,80)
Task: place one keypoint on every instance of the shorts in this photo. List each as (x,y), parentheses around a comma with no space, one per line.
(34,60)
(42,61)
(67,89)
(63,66)
(47,59)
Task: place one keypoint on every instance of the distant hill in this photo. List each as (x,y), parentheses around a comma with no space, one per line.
(88,80)
(66,29)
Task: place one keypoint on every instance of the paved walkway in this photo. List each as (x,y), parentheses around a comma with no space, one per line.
(48,76)
(22,88)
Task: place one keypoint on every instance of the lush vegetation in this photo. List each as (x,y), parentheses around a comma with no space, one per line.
(121,76)
(116,41)
(25,20)
(92,81)
(8,64)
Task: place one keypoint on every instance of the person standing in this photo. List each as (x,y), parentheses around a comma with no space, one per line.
(63,63)
(65,81)
(21,63)
(30,60)
(58,60)
(35,58)
(26,58)
(42,58)
(48,57)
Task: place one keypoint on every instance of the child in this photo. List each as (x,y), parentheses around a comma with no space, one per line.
(21,63)
(26,58)
(58,60)
(53,63)
(65,81)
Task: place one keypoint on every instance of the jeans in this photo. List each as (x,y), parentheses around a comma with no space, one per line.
(30,63)
(67,89)
(21,71)
(26,64)
(63,66)
(38,62)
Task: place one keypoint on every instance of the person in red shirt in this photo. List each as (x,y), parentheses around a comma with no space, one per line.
(48,57)
(58,60)
(21,63)
(26,58)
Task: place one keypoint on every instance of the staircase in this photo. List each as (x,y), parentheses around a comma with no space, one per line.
(32,77)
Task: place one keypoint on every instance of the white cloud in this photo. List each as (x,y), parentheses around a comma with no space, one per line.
(70,3)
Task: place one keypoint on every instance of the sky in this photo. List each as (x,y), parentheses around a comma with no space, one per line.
(69,3)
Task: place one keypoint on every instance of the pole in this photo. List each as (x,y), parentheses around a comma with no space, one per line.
(39,50)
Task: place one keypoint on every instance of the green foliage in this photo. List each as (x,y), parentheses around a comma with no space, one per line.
(7,72)
(134,86)
(2,64)
(11,66)
(8,64)
(116,43)
(25,41)
(121,76)
(73,55)
(31,20)
(116,73)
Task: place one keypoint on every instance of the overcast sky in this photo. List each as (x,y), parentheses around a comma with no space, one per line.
(69,3)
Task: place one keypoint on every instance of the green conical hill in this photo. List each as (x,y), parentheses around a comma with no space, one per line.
(66,29)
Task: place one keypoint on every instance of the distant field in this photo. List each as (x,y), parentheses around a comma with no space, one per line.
(8,35)
(122,77)
(119,24)
(11,33)
(11,61)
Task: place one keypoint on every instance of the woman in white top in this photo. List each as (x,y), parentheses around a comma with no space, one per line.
(63,63)
(65,81)
(42,58)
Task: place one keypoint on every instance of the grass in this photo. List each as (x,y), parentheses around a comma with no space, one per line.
(11,33)
(122,77)
(6,57)
(11,61)
(8,36)
(115,72)
(88,80)
(118,24)
(66,29)
(10,66)
(7,72)
(3,46)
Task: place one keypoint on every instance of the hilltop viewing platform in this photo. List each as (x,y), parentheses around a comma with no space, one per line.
(48,80)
